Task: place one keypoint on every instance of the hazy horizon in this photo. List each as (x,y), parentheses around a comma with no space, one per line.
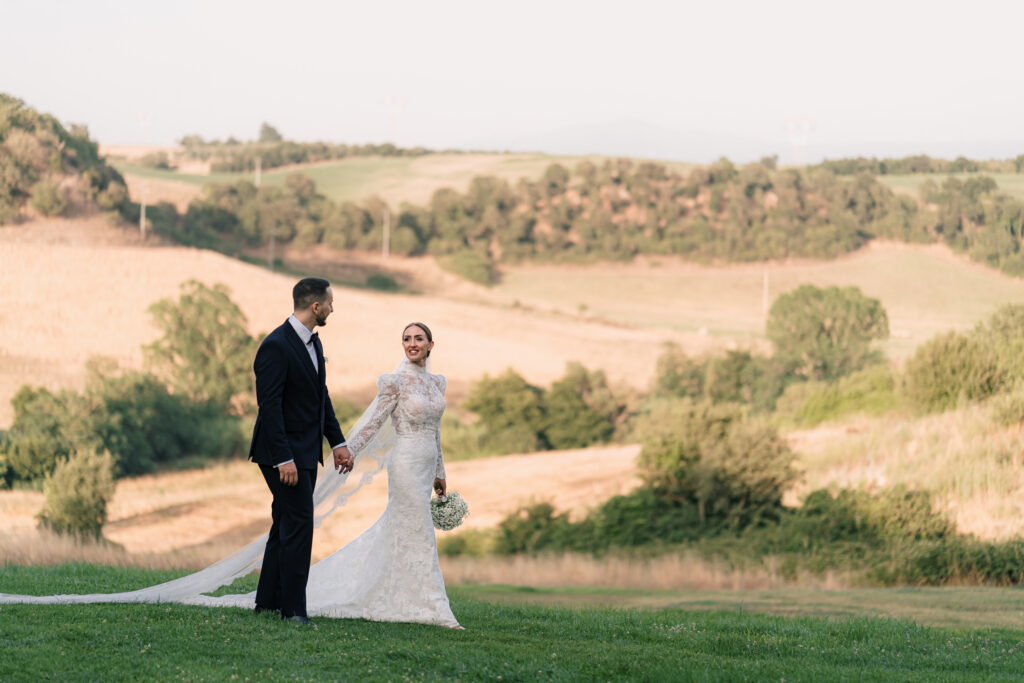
(682,81)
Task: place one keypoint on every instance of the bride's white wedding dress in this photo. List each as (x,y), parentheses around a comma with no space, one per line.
(389,573)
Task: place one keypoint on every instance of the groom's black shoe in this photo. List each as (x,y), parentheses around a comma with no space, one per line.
(305,621)
(261,610)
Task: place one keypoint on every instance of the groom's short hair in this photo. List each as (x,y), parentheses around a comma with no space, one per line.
(307,290)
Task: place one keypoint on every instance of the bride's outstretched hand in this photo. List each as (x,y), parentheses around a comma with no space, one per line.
(441,487)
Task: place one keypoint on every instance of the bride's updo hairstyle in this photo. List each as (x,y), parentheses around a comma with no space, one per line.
(426,331)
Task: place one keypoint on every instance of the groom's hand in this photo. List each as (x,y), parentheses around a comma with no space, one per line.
(342,459)
(289,474)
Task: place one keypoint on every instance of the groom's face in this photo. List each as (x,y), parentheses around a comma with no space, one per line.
(322,310)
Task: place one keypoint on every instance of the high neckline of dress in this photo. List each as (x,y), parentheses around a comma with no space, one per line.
(409,366)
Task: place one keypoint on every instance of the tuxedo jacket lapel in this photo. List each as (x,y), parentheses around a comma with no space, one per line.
(300,348)
(320,362)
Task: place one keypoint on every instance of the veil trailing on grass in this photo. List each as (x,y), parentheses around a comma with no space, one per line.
(332,491)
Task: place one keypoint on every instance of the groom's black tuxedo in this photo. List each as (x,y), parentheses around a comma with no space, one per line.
(295,411)
(295,414)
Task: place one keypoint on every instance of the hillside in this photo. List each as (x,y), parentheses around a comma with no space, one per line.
(97,295)
(394,179)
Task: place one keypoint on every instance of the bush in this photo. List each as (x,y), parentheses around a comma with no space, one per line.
(676,374)
(534,528)
(141,424)
(472,266)
(734,471)
(871,391)
(77,494)
(469,542)
(49,198)
(950,368)
(382,283)
(570,421)
(44,430)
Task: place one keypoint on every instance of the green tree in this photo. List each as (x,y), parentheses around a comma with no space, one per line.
(46,428)
(571,420)
(826,333)
(511,410)
(269,134)
(77,494)
(205,350)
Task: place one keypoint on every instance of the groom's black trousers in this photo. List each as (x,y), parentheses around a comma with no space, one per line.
(285,569)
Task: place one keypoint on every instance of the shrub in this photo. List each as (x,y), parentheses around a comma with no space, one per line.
(570,422)
(950,368)
(871,391)
(734,471)
(472,266)
(141,424)
(676,374)
(382,283)
(43,431)
(49,198)
(77,493)
(469,542)
(533,528)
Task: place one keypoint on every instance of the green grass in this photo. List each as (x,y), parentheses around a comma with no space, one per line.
(1010,183)
(396,179)
(503,642)
(924,290)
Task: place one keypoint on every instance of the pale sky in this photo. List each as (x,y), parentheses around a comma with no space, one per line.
(673,80)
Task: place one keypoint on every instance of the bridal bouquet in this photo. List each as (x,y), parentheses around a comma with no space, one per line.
(448,511)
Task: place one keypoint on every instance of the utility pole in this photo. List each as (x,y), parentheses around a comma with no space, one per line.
(764,295)
(142,213)
(270,246)
(386,250)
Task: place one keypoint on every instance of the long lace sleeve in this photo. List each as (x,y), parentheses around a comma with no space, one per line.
(440,474)
(387,399)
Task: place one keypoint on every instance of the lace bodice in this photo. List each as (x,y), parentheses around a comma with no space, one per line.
(414,399)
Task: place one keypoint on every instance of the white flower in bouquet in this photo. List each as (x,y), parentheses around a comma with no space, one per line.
(448,511)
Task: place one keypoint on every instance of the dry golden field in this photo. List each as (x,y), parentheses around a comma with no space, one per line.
(69,291)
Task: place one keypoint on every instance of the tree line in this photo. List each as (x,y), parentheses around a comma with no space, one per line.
(921,163)
(617,210)
(271,150)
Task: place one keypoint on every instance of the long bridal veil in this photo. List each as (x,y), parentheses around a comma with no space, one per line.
(332,491)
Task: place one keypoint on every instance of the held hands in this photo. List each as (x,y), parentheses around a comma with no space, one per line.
(289,474)
(343,460)
(441,487)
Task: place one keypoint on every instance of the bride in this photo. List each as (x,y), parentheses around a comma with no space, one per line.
(389,573)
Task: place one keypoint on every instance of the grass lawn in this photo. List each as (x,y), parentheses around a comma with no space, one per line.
(1009,183)
(503,642)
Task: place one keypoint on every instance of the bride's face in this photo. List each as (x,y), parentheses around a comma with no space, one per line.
(416,344)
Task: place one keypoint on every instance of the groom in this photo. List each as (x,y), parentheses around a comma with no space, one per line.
(295,414)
